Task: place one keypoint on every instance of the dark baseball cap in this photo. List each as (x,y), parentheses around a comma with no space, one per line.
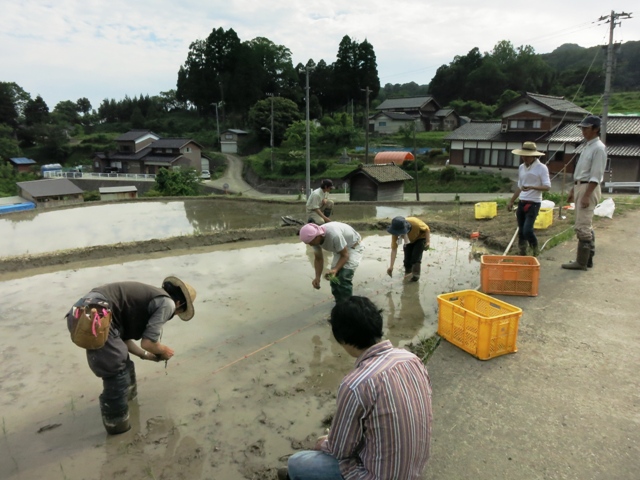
(590,121)
(326,183)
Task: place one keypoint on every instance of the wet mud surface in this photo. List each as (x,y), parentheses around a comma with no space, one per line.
(255,372)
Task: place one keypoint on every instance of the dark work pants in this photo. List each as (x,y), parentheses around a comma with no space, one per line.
(342,287)
(526,214)
(413,254)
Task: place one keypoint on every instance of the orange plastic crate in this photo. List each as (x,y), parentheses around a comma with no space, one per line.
(478,324)
(509,275)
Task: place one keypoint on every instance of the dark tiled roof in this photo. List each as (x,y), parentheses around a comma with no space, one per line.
(623,125)
(396,116)
(381,173)
(133,135)
(22,161)
(557,104)
(172,142)
(236,131)
(567,132)
(616,125)
(126,157)
(475,131)
(409,102)
(443,112)
(623,151)
(131,188)
(49,187)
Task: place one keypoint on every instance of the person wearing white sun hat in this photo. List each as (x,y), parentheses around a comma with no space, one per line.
(533,179)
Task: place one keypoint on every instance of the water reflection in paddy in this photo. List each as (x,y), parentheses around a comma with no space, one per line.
(40,231)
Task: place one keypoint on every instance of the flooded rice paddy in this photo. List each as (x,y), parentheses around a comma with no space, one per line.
(254,373)
(39,231)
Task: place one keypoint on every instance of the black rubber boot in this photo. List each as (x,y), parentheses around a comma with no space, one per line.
(113,403)
(593,250)
(522,249)
(132,393)
(415,270)
(582,257)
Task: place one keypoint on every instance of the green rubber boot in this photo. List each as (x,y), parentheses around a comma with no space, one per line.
(582,257)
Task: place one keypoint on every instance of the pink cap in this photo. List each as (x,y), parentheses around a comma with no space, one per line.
(310,231)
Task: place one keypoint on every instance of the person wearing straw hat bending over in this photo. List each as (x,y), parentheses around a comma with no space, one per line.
(345,243)
(587,176)
(533,179)
(415,236)
(138,312)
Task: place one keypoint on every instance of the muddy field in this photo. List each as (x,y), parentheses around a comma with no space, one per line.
(255,372)
(457,221)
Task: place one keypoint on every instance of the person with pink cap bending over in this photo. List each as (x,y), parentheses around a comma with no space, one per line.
(345,243)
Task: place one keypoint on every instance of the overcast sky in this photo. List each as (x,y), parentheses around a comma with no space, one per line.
(68,49)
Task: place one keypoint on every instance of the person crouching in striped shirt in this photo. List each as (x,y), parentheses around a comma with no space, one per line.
(382,426)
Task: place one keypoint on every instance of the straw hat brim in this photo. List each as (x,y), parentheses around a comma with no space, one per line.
(527,153)
(189,294)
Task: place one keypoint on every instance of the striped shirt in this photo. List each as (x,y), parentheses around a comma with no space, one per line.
(382,426)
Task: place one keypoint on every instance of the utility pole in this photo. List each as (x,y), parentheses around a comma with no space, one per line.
(308,142)
(613,21)
(217,124)
(366,127)
(415,158)
(271,131)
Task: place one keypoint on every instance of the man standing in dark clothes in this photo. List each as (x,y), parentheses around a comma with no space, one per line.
(139,312)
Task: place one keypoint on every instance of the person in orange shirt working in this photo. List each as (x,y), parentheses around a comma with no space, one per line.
(415,237)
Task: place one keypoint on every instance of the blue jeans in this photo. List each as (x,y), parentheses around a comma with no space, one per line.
(313,465)
(526,214)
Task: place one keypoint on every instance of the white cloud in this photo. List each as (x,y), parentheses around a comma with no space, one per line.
(68,49)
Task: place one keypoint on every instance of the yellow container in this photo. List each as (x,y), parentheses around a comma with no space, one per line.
(486,210)
(478,324)
(544,219)
(509,275)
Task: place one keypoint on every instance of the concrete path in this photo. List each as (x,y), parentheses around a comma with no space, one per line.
(567,404)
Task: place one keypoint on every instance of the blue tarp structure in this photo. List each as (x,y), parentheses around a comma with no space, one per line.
(17,207)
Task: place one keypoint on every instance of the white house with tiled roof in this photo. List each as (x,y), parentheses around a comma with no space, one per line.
(425,108)
(550,122)
(142,151)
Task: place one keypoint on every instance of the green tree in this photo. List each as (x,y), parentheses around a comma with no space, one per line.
(209,69)
(83,105)
(181,182)
(36,111)
(66,111)
(8,110)
(9,147)
(137,119)
(285,112)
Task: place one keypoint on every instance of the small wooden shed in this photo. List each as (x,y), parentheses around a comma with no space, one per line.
(118,193)
(393,157)
(377,183)
(52,192)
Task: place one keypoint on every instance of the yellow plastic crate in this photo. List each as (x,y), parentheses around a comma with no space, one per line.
(486,210)
(478,324)
(509,275)
(544,219)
